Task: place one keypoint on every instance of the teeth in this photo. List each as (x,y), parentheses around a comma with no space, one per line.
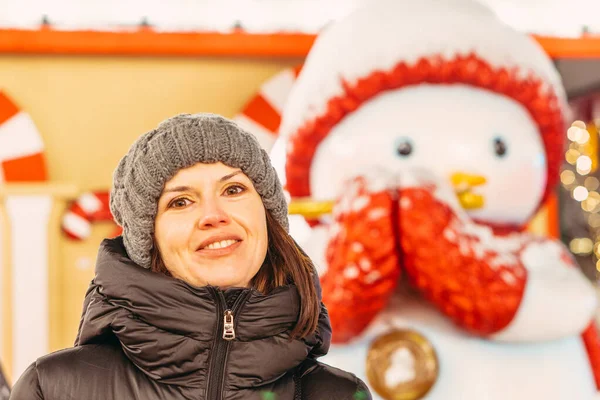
(221,244)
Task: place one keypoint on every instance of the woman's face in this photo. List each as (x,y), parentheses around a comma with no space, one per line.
(211,227)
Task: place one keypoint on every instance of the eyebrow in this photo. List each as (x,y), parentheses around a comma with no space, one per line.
(178,189)
(190,189)
(231,175)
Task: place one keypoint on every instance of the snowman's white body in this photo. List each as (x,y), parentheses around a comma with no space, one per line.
(451,129)
(477,369)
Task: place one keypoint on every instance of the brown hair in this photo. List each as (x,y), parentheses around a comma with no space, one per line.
(284,263)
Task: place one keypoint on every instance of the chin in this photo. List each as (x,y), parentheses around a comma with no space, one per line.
(219,274)
(224,281)
(226,284)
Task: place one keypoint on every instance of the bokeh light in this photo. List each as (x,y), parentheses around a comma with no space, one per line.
(581,246)
(590,183)
(567,177)
(572,155)
(580,193)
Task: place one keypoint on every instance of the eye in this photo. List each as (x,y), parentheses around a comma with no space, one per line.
(179,203)
(234,190)
(404,147)
(500,147)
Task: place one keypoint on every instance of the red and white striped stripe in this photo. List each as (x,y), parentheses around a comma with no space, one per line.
(261,116)
(21,146)
(89,208)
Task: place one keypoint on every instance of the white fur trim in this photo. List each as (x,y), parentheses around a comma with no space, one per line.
(558,301)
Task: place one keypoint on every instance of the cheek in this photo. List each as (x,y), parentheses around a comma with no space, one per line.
(525,175)
(170,233)
(263,238)
(252,217)
(514,191)
(524,184)
(259,225)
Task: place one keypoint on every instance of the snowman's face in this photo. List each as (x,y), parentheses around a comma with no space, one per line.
(461,133)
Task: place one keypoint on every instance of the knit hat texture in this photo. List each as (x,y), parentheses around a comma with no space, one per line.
(180,142)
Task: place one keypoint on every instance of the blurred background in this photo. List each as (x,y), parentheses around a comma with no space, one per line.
(80,80)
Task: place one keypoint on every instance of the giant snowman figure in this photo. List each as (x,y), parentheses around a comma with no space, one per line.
(437,130)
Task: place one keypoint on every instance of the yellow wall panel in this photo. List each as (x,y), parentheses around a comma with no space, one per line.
(88,111)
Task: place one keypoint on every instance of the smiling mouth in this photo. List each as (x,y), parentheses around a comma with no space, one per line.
(219,248)
(223,244)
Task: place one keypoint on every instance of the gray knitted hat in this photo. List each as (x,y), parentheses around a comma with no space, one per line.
(180,142)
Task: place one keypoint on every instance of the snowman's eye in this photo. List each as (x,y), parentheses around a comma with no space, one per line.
(404,147)
(500,147)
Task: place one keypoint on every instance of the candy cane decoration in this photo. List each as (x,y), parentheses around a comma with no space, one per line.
(22,159)
(21,147)
(89,208)
(261,116)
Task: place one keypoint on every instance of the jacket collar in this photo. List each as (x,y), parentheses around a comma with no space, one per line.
(167,327)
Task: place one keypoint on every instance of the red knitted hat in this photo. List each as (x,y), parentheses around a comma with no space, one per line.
(393,44)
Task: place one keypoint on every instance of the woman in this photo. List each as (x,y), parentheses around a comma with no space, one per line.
(205,295)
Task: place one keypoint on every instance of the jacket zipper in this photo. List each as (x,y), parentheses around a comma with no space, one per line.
(225,334)
(297,385)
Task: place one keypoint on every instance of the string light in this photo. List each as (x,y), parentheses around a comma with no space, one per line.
(591,183)
(580,193)
(581,161)
(567,177)
(572,156)
(581,246)
(593,221)
(584,165)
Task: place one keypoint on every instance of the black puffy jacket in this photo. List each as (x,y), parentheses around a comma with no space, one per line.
(4,390)
(147,336)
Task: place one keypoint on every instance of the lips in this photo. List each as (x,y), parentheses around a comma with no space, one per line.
(218,242)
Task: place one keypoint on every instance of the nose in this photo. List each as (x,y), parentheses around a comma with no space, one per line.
(213,215)
(463,184)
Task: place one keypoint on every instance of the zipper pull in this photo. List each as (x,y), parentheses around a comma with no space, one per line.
(228,332)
